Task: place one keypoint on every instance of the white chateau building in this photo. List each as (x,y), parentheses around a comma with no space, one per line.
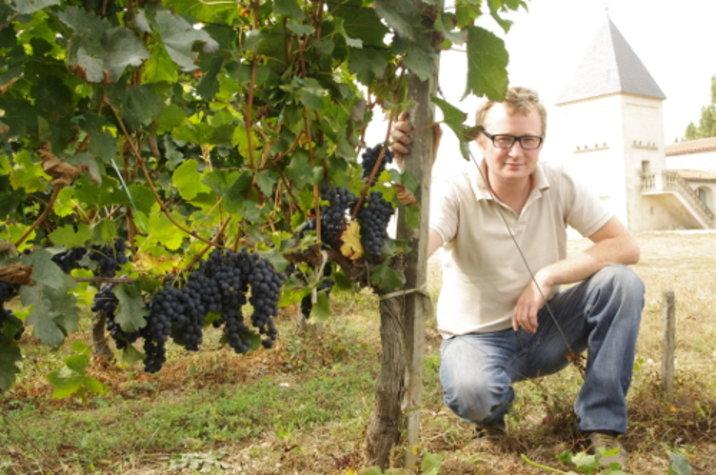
(611,114)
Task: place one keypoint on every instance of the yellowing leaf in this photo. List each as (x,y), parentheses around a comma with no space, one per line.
(351,247)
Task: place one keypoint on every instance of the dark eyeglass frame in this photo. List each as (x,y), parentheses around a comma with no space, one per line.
(513,139)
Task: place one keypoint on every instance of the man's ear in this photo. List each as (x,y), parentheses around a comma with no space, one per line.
(481,142)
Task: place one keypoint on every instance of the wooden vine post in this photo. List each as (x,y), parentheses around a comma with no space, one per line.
(669,343)
(402,313)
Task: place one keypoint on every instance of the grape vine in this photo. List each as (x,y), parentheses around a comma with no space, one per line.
(138,137)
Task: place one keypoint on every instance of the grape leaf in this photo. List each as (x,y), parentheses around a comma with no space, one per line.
(25,7)
(401,15)
(66,236)
(187,180)
(53,314)
(322,308)
(159,67)
(162,231)
(179,36)
(367,64)
(386,279)
(486,64)
(9,357)
(360,22)
(131,311)
(47,273)
(288,8)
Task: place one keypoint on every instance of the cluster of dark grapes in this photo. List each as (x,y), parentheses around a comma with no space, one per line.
(370,156)
(333,216)
(220,286)
(105,304)
(8,291)
(325,285)
(373,219)
(69,259)
(107,258)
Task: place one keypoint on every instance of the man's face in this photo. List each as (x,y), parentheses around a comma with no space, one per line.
(514,163)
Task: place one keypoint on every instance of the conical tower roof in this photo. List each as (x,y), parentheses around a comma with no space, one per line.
(610,66)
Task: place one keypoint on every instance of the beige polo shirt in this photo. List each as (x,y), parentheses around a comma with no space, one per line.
(483,273)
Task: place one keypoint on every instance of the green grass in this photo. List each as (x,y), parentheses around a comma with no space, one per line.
(303,407)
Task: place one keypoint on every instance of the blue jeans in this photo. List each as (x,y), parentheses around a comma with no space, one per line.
(601,314)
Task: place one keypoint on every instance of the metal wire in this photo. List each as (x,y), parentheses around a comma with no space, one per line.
(572,356)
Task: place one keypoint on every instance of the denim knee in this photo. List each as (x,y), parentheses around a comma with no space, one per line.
(478,399)
(619,279)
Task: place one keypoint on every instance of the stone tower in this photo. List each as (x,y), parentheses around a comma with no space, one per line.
(610,116)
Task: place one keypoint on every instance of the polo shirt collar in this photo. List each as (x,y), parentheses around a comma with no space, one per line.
(479,187)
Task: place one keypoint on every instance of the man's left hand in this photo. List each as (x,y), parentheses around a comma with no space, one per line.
(530,302)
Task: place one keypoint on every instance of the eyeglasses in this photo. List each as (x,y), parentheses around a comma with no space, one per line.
(503,141)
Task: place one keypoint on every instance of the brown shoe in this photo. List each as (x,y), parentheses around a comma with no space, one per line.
(494,432)
(608,449)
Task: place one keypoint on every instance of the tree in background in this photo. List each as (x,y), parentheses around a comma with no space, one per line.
(707,123)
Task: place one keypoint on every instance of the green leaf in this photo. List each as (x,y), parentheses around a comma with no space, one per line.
(140,105)
(123,49)
(360,22)
(679,464)
(131,355)
(300,29)
(27,173)
(97,48)
(9,357)
(288,8)
(187,180)
(159,67)
(367,64)
(171,117)
(585,461)
(418,58)
(131,311)
(66,236)
(266,180)
(78,362)
(179,37)
(25,7)
(322,308)
(452,116)
(386,279)
(430,464)
(45,272)
(53,314)
(401,15)
(299,169)
(221,181)
(466,12)
(162,231)
(64,383)
(72,379)
(487,61)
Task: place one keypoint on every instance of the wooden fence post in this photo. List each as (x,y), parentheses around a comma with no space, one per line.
(669,344)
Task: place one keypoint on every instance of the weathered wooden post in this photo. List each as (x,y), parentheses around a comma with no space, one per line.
(669,344)
(403,315)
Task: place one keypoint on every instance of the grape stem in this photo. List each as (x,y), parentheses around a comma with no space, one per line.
(42,217)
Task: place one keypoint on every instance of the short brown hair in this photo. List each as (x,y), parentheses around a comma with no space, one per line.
(520,100)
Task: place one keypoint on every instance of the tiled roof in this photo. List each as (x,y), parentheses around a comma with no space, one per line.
(610,66)
(707,144)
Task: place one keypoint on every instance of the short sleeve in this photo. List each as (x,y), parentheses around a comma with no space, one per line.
(444,212)
(584,211)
